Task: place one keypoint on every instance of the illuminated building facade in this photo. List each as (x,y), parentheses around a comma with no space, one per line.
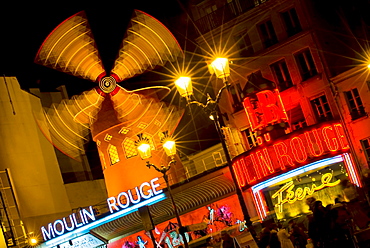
(296,126)
(296,118)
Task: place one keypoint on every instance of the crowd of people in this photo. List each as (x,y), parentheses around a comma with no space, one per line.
(330,226)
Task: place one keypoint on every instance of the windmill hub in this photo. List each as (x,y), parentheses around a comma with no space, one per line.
(107,84)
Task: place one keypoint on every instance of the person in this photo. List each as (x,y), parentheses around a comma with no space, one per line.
(297,235)
(283,237)
(274,240)
(264,237)
(318,226)
(227,240)
(309,244)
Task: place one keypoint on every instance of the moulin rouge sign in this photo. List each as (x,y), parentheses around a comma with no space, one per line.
(132,199)
(293,150)
(264,108)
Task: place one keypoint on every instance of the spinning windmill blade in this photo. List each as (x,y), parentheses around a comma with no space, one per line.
(71,48)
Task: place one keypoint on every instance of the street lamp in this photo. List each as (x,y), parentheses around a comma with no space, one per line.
(169,147)
(220,67)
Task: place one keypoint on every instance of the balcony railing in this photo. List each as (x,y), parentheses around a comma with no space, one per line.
(226,13)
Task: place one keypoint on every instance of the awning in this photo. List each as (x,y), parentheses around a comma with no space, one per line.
(188,196)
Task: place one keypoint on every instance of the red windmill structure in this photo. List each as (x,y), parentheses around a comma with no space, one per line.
(114,116)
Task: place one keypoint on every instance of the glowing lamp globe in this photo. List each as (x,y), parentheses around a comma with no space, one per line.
(220,66)
(184,86)
(144,150)
(169,147)
(33,241)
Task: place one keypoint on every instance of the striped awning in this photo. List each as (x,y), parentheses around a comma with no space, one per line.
(188,196)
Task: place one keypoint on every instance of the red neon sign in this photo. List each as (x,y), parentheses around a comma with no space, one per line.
(297,149)
(264,108)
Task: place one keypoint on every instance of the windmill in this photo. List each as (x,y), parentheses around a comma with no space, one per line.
(113,115)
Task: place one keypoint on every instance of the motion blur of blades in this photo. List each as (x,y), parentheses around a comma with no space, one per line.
(71,48)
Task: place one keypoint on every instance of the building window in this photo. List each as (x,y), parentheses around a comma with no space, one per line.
(237,95)
(321,108)
(113,154)
(291,22)
(306,65)
(282,76)
(250,137)
(267,33)
(130,148)
(244,45)
(355,106)
(296,118)
(366,146)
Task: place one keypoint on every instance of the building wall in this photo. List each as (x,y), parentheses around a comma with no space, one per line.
(31,160)
(29,156)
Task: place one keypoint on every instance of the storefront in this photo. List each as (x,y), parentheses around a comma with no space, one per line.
(281,174)
(207,206)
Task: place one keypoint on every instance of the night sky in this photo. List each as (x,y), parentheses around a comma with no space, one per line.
(24,28)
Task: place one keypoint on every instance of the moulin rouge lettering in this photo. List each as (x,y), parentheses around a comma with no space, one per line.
(294,151)
(67,224)
(286,194)
(84,217)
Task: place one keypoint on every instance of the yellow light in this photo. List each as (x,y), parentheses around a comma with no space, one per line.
(212,117)
(184,86)
(33,241)
(144,150)
(220,66)
(169,147)
(368,66)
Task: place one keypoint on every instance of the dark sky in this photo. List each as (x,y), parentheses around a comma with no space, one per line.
(24,28)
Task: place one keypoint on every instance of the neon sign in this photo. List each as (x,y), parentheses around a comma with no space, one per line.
(264,108)
(67,224)
(126,202)
(297,149)
(286,194)
(145,191)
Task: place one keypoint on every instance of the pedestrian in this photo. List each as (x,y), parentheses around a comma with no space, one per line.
(264,237)
(318,226)
(283,237)
(297,235)
(274,240)
(227,240)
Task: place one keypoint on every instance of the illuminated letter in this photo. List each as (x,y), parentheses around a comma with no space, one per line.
(49,233)
(342,139)
(56,228)
(112,204)
(88,214)
(155,185)
(264,162)
(66,224)
(75,220)
(253,113)
(300,156)
(311,145)
(249,171)
(332,147)
(142,191)
(82,217)
(132,198)
(281,154)
(268,104)
(239,172)
(120,202)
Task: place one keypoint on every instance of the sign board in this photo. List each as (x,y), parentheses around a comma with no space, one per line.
(85,241)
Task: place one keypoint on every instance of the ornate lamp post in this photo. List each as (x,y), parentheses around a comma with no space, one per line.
(220,67)
(169,147)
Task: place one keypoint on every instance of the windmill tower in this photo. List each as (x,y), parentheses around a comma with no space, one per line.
(114,116)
